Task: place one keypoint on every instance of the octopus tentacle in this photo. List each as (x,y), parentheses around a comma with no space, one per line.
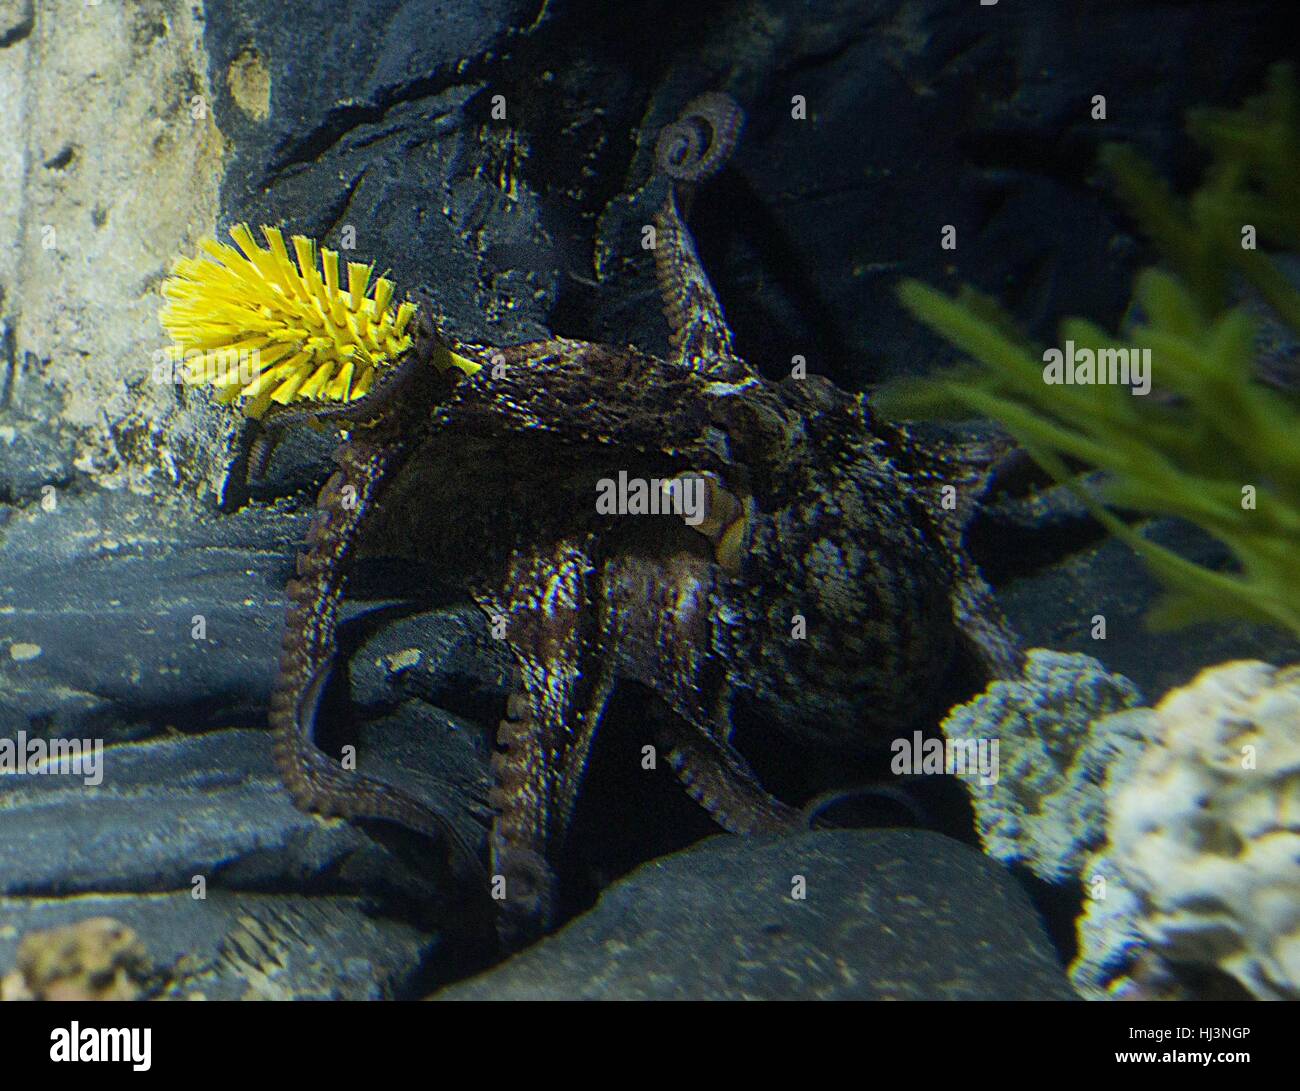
(659,631)
(983,624)
(688,151)
(698,332)
(720,781)
(969,467)
(518,849)
(317,783)
(701,140)
(551,718)
(411,381)
(261,448)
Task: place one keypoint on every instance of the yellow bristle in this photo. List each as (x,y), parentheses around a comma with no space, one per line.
(311,339)
(341,386)
(329,260)
(286,390)
(285,272)
(257,257)
(404,314)
(319,378)
(335,301)
(269,378)
(358,278)
(469,367)
(359,324)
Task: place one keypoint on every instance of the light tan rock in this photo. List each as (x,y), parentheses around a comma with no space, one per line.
(1201,870)
(95,959)
(110,162)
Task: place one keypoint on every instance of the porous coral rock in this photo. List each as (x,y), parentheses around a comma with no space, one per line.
(1057,745)
(94,959)
(1202,865)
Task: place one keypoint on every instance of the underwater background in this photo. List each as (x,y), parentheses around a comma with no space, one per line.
(499,157)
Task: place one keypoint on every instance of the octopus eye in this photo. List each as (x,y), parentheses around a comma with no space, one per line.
(726,519)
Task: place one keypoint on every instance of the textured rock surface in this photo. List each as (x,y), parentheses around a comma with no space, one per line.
(168,810)
(1202,860)
(34,458)
(444,657)
(397,145)
(112,161)
(248,946)
(1057,747)
(103,593)
(294,906)
(888,915)
(97,958)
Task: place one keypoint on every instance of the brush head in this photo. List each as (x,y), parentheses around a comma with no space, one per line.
(263,330)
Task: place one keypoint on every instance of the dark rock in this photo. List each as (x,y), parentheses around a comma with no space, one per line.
(445,657)
(889,914)
(433,755)
(296,906)
(170,809)
(387,130)
(101,599)
(1055,607)
(32,457)
(246,946)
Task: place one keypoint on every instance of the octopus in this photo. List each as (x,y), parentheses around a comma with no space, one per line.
(825,582)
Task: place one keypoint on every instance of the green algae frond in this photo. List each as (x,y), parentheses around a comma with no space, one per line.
(1211,443)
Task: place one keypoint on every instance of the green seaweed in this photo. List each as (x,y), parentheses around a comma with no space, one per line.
(1210,432)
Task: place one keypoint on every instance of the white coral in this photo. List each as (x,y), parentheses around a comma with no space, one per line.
(1057,749)
(1203,856)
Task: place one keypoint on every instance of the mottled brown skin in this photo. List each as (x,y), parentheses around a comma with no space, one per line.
(493,479)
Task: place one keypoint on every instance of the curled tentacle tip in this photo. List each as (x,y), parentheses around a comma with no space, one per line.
(702,138)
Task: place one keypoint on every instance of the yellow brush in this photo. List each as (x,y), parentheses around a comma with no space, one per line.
(263,330)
